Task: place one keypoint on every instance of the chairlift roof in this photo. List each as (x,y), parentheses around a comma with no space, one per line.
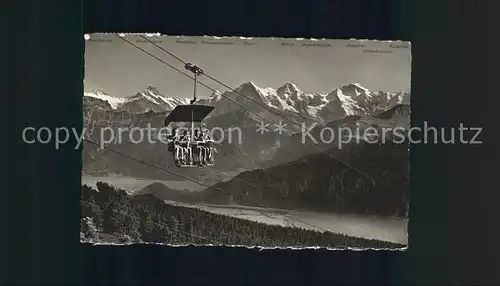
(188,113)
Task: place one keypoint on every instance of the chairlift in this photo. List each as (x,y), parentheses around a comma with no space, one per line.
(191,146)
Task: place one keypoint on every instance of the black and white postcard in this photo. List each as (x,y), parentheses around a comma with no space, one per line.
(251,142)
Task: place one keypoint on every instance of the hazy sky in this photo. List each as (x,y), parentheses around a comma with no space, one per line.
(122,70)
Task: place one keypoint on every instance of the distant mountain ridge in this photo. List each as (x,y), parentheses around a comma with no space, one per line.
(149,99)
(349,106)
(101,96)
(350,99)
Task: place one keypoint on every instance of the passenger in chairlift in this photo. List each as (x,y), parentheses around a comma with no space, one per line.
(208,143)
(188,148)
(198,138)
(177,147)
(183,143)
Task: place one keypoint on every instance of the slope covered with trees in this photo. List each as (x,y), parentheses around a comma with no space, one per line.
(110,215)
(361,178)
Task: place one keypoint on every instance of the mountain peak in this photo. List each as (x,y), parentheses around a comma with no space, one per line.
(115,102)
(152,89)
(248,84)
(215,96)
(288,87)
(355,85)
(248,87)
(151,100)
(291,85)
(98,92)
(355,90)
(398,109)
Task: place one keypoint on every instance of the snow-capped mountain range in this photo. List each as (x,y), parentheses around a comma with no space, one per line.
(347,105)
(150,99)
(350,99)
(114,102)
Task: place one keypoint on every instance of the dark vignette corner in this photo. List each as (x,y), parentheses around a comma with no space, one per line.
(47,182)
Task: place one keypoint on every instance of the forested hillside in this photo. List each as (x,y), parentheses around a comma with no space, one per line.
(361,178)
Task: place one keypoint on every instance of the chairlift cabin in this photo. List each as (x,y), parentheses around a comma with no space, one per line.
(191,146)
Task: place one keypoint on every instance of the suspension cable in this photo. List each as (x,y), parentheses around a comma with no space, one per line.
(317,147)
(277,113)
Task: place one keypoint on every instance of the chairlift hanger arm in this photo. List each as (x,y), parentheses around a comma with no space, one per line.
(197,72)
(194,69)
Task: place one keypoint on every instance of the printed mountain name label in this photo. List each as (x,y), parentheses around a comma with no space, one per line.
(190,42)
(216,42)
(100,40)
(321,45)
(399,46)
(357,45)
(377,51)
